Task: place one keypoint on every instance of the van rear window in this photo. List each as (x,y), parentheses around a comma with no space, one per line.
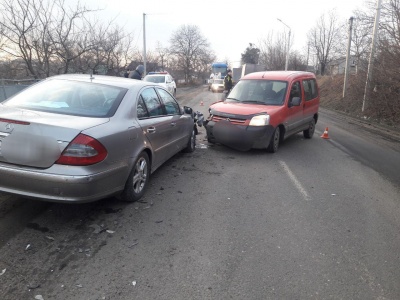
(310,89)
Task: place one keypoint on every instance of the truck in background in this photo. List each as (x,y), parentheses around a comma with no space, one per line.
(218,71)
(245,69)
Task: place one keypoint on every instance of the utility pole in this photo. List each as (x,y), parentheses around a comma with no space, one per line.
(287,53)
(371,57)
(346,72)
(144,44)
(288,46)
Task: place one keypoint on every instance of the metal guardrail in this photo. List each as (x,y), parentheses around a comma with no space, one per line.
(9,87)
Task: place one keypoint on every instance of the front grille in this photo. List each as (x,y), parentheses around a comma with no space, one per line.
(231,120)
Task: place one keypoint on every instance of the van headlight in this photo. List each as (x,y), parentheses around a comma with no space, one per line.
(260,120)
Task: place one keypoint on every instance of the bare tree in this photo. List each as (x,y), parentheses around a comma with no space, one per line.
(51,37)
(273,51)
(190,50)
(110,50)
(162,53)
(326,39)
(386,81)
(362,34)
(361,38)
(42,33)
(72,36)
(20,30)
(119,52)
(297,61)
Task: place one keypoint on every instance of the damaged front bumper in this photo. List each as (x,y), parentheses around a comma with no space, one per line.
(240,137)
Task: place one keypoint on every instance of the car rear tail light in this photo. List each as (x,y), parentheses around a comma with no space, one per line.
(82,151)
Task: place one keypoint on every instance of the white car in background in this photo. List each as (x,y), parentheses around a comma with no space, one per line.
(164,79)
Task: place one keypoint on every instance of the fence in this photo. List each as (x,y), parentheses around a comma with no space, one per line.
(9,87)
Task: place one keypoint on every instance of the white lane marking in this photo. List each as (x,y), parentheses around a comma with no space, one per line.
(297,183)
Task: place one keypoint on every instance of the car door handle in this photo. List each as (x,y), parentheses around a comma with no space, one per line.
(173,124)
(151,129)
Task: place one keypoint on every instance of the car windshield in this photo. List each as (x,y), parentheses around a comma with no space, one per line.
(268,92)
(155,79)
(70,98)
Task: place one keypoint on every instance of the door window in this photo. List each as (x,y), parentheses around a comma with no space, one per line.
(170,104)
(141,109)
(152,103)
(310,89)
(295,91)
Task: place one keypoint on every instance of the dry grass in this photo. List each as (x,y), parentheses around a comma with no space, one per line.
(383,110)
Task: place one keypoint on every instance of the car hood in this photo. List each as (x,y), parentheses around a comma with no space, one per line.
(242,109)
(37,139)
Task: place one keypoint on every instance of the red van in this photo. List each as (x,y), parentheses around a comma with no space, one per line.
(263,109)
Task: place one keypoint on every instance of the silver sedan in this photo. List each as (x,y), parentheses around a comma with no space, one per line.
(79,138)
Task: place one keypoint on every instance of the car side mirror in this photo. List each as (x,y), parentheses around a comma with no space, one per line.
(188,110)
(295,101)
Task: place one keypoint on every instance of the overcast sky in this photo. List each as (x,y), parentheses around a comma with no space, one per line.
(229,26)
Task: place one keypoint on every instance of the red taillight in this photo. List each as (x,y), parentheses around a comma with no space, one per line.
(82,151)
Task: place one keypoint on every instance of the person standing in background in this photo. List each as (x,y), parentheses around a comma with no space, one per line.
(137,73)
(228,84)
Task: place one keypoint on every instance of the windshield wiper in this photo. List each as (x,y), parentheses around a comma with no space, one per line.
(254,101)
(233,99)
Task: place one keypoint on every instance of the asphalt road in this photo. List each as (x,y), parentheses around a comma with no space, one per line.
(319,219)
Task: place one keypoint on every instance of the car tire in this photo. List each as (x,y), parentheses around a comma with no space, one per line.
(274,143)
(308,133)
(191,145)
(138,179)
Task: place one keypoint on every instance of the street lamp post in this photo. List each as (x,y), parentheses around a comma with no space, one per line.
(144,44)
(288,45)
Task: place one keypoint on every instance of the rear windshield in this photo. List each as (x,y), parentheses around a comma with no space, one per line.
(70,98)
(155,79)
(268,92)
(218,81)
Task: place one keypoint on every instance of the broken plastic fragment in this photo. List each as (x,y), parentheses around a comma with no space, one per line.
(110,231)
(39,297)
(2,272)
(50,238)
(97,228)
(134,244)
(134,282)
(27,247)
(33,286)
